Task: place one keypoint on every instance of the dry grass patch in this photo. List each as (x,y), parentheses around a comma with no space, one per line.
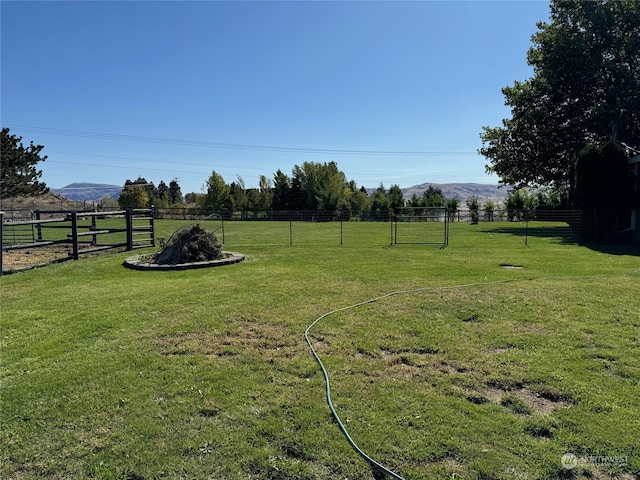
(263,340)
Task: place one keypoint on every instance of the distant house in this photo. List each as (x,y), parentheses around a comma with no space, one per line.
(635,213)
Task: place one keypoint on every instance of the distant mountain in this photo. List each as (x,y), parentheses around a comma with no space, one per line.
(88,191)
(463,191)
(95,191)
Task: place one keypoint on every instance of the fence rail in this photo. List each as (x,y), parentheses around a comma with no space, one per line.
(82,231)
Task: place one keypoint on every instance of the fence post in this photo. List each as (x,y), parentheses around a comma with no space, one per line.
(39,226)
(129,223)
(394,220)
(446,228)
(341,232)
(1,238)
(290,232)
(94,227)
(152,225)
(74,235)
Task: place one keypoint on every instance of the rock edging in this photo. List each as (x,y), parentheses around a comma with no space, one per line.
(137,262)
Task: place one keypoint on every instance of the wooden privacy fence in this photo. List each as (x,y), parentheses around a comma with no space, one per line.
(83,232)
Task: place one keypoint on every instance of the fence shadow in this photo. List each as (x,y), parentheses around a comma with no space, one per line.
(565,235)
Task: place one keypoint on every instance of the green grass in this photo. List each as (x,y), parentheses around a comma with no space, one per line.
(113,373)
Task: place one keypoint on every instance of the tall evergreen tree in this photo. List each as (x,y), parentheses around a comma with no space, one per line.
(433,197)
(396,199)
(19,175)
(175,194)
(281,191)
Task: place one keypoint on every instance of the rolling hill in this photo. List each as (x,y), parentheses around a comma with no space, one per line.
(96,191)
(463,191)
(88,191)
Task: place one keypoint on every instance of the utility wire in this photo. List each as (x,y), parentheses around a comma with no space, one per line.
(232,146)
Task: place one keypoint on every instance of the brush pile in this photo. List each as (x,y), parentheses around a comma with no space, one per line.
(190,245)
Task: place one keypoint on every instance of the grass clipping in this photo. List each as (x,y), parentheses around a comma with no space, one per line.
(190,245)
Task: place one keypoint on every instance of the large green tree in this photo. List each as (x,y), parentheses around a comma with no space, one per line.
(585,89)
(217,193)
(322,185)
(130,197)
(133,196)
(19,175)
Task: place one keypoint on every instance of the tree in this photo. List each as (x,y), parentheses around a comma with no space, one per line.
(380,205)
(175,194)
(452,205)
(217,193)
(321,185)
(489,208)
(133,196)
(281,191)
(602,179)
(396,199)
(192,198)
(161,195)
(433,197)
(515,203)
(474,208)
(18,164)
(265,193)
(108,203)
(238,195)
(148,188)
(603,187)
(333,191)
(359,201)
(414,201)
(253,200)
(585,90)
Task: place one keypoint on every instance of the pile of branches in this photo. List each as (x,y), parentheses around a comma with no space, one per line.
(190,245)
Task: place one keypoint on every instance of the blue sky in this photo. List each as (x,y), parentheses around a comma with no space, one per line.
(394,92)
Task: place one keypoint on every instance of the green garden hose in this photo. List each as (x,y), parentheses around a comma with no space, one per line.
(372,462)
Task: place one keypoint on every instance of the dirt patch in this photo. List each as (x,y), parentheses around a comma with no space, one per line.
(539,403)
(24,259)
(13,260)
(321,344)
(267,339)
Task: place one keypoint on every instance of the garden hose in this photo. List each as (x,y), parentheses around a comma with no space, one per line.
(372,462)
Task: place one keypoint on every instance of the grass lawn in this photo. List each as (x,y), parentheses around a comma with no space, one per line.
(469,370)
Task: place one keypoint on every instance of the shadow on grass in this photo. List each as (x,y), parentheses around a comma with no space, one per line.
(566,235)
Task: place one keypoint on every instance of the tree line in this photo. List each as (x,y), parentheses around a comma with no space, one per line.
(311,186)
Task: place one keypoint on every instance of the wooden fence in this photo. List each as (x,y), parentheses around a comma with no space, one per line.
(83,231)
